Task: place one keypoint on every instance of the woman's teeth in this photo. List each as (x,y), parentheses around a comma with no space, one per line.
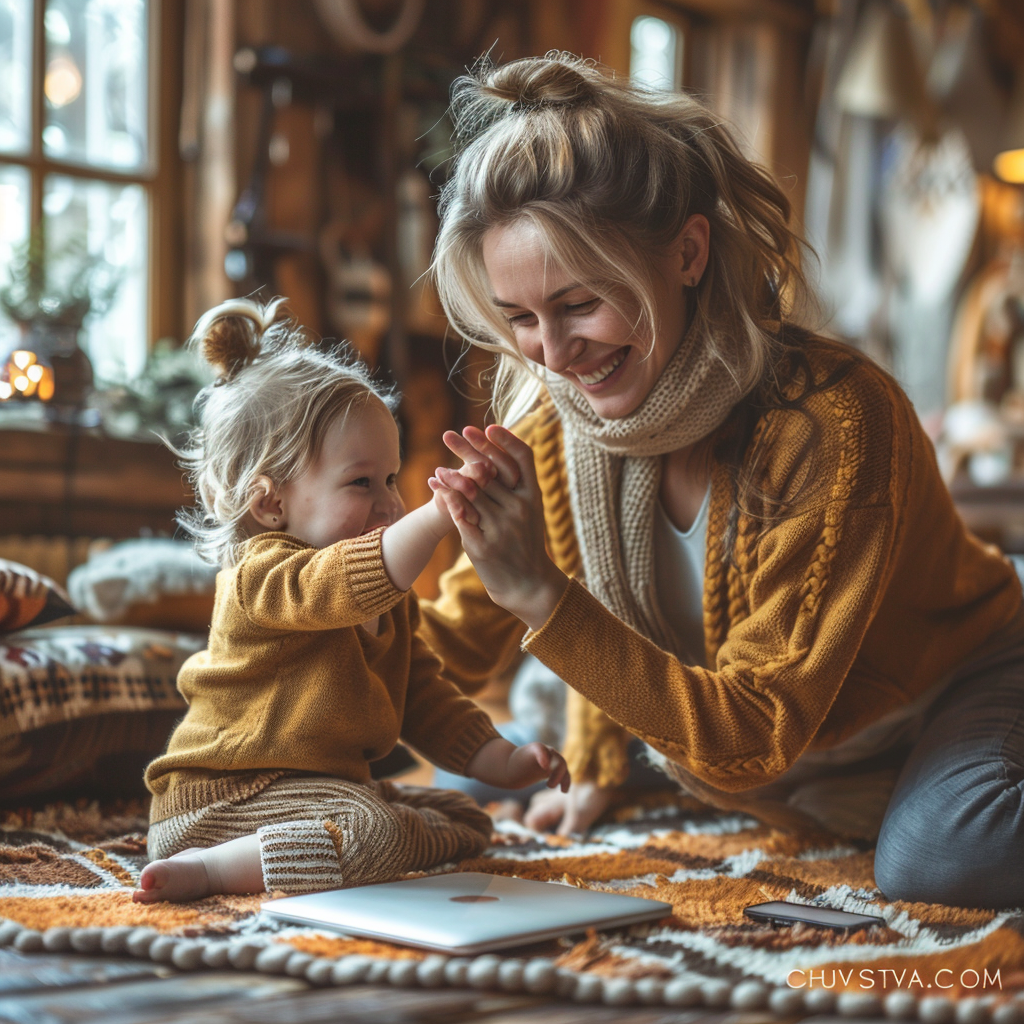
(604,371)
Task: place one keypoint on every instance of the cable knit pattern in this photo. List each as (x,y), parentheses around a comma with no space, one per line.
(822,622)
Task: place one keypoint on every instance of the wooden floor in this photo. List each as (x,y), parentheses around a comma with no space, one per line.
(41,988)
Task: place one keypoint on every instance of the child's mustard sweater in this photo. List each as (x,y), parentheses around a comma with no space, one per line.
(820,623)
(290,683)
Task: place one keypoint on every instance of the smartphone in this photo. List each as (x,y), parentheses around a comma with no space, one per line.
(779,912)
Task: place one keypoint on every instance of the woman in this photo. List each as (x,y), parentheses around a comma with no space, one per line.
(728,536)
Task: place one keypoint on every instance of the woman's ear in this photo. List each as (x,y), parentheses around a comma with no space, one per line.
(694,246)
(265,504)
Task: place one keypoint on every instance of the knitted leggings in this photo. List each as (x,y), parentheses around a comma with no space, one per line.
(320,833)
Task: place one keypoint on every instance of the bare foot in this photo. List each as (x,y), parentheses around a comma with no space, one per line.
(179,878)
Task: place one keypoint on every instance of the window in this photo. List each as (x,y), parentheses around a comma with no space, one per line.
(655,53)
(78,155)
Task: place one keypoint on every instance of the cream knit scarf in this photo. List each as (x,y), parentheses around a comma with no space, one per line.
(614,471)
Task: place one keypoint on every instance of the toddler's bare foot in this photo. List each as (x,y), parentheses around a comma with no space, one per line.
(179,878)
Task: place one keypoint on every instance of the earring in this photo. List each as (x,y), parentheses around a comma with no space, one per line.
(275,519)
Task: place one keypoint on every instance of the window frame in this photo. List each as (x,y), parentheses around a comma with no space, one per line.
(159,179)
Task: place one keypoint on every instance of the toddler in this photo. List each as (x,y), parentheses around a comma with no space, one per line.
(314,667)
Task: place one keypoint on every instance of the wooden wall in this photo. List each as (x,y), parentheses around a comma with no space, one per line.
(329,198)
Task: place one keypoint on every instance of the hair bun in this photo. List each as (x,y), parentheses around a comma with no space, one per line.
(232,334)
(557,79)
(491,93)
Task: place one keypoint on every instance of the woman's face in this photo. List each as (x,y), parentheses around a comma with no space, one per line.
(563,324)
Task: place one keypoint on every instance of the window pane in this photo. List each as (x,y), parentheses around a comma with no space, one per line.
(14,192)
(654,55)
(97,82)
(15,71)
(113,221)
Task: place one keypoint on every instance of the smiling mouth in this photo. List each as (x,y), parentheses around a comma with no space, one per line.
(604,371)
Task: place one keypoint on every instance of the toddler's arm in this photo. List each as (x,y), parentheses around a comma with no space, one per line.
(408,544)
(503,764)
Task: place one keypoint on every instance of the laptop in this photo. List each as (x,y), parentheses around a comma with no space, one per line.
(464,913)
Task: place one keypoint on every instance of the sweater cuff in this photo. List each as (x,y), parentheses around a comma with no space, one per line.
(536,641)
(364,568)
(458,750)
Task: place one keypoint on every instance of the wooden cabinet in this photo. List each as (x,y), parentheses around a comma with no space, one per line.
(63,481)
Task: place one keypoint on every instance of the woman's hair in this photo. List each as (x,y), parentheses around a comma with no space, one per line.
(277,392)
(609,173)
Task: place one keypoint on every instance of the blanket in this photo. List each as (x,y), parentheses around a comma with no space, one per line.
(67,873)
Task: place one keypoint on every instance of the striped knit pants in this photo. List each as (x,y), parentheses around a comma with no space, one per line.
(320,833)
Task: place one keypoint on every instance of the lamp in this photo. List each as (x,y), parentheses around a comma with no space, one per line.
(1009,165)
(26,376)
(881,77)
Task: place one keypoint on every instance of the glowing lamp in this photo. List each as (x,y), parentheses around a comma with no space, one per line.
(24,376)
(1009,165)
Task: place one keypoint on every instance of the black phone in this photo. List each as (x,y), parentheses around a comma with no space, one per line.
(779,912)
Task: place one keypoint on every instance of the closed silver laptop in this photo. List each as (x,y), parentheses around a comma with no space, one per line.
(465,913)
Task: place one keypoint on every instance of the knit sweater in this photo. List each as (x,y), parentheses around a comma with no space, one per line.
(867,595)
(291,682)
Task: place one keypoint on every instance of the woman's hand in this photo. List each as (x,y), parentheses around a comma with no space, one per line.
(502,523)
(501,763)
(573,812)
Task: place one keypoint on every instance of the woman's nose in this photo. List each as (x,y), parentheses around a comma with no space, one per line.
(559,347)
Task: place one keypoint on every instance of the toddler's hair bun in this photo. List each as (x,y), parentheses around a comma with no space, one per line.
(232,335)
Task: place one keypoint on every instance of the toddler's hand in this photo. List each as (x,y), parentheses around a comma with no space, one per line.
(500,763)
(535,761)
(477,474)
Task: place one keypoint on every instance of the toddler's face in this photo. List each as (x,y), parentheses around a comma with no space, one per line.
(351,487)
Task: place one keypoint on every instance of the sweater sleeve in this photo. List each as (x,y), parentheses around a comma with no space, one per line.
(474,638)
(813,589)
(284,584)
(445,726)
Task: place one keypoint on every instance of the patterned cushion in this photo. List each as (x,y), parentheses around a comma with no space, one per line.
(86,705)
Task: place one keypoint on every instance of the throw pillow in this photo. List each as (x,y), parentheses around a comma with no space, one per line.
(152,581)
(86,705)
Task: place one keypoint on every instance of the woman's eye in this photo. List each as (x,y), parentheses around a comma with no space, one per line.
(393,480)
(363,481)
(583,307)
(519,319)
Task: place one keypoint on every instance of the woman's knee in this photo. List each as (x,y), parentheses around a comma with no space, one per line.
(967,857)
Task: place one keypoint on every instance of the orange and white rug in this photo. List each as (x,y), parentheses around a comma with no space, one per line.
(67,874)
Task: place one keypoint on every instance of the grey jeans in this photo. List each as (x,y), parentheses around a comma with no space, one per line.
(954,829)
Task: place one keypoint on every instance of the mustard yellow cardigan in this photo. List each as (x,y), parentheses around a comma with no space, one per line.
(818,625)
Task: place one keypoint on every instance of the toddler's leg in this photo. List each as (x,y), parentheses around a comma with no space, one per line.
(358,840)
(231,867)
(439,825)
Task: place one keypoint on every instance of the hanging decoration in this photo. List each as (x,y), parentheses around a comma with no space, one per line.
(346,22)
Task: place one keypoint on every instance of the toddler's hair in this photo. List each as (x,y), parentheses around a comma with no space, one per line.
(278,391)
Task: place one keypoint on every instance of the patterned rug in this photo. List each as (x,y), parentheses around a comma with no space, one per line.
(67,873)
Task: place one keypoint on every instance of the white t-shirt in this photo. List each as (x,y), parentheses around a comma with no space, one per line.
(679,577)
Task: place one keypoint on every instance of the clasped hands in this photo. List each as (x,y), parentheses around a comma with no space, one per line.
(495,503)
